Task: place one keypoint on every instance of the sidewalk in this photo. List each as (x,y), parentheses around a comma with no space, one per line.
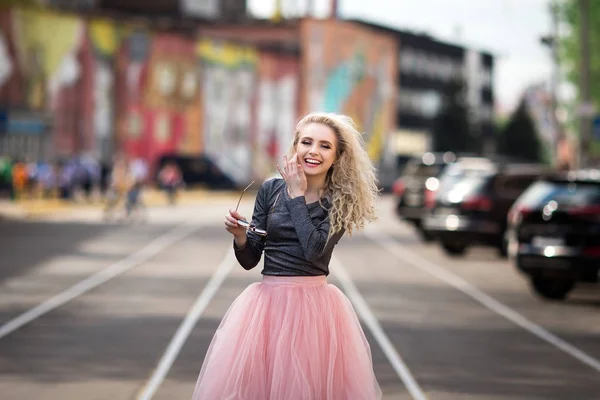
(32,208)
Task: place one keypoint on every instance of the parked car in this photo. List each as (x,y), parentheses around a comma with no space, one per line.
(199,170)
(554,233)
(418,180)
(473,200)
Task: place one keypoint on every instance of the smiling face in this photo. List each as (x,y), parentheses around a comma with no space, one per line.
(316,148)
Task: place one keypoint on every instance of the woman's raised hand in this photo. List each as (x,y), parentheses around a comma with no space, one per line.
(293,175)
(232,226)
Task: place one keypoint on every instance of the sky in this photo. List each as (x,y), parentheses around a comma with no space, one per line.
(509,29)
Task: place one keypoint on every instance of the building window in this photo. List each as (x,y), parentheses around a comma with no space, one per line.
(431,66)
(406,60)
(422,103)
(420,63)
(446,69)
(486,77)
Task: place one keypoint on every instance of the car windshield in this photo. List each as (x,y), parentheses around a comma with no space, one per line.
(423,170)
(465,187)
(566,194)
(471,178)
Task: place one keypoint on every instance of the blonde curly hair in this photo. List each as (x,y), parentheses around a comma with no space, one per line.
(351,183)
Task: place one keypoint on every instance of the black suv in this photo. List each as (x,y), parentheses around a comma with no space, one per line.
(554,232)
(418,181)
(473,200)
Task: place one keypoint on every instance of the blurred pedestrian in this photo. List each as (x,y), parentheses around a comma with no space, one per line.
(170,180)
(119,183)
(64,180)
(91,176)
(139,174)
(293,335)
(48,179)
(6,185)
(32,186)
(20,178)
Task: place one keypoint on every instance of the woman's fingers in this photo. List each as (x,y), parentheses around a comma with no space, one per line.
(285,165)
(235,215)
(283,174)
(292,166)
(231,221)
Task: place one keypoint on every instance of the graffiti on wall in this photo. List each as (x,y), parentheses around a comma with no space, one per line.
(228,82)
(351,70)
(104,38)
(49,61)
(276,109)
(52,68)
(112,86)
(157,91)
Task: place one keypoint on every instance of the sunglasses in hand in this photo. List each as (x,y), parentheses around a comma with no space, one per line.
(246,224)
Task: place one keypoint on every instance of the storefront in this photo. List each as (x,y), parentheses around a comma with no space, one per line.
(24,135)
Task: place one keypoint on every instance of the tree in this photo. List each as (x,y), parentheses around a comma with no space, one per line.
(451,130)
(570,60)
(518,139)
(570,52)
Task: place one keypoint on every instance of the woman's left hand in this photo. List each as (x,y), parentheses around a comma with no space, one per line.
(293,175)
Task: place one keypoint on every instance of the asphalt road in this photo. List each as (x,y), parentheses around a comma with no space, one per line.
(94,310)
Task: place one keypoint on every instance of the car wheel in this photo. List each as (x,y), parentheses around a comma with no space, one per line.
(503,249)
(552,289)
(425,235)
(454,249)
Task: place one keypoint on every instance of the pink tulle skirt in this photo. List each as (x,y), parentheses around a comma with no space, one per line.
(289,338)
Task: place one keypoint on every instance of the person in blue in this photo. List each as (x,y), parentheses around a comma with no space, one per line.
(293,335)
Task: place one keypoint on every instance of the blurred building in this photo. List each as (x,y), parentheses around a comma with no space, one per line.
(426,67)
(303,65)
(209,10)
(111,79)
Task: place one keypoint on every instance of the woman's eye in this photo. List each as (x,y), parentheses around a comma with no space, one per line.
(326,146)
(306,142)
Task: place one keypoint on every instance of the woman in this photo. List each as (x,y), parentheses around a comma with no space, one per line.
(293,336)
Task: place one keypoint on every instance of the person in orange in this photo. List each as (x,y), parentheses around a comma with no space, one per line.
(20,178)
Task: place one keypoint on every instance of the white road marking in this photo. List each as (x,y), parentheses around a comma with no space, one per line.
(486,300)
(186,327)
(133,260)
(365,313)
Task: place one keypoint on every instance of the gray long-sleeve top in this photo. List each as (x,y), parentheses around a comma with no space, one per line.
(296,243)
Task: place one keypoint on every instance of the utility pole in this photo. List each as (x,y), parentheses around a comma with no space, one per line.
(334,9)
(587,109)
(551,41)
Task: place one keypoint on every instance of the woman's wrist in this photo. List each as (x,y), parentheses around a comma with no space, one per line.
(240,241)
(293,194)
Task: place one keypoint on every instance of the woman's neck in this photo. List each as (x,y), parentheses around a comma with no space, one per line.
(315,186)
